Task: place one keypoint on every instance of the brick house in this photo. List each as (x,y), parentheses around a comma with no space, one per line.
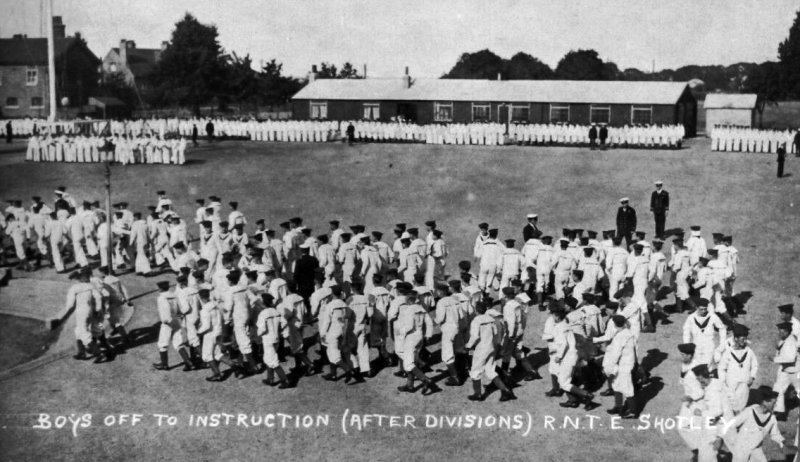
(137,65)
(24,74)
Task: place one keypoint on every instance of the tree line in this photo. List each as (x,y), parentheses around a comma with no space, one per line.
(195,70)
(771,80)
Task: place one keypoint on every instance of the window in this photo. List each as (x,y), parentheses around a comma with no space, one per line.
(481,112)
(12,102)
(319,110)
(559,113)
(443,112)
(600,115)
(113,67)
(642,115)
(32,76)
(37,102)
(520,113)
(372,111)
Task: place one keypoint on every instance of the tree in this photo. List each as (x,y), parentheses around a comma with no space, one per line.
(192,67)
(765,81)
(326,71)
(634,74)
(348,72)
(581,65)
(115,85)
(523,66)
(611,71)
(275,88)
(789,55)
(479,65)
(330,71)
(242,80)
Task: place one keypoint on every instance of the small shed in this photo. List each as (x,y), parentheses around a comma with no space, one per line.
(730,109)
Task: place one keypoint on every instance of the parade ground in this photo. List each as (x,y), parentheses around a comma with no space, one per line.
(62,409)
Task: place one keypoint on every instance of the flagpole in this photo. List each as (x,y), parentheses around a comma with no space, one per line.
(51,62)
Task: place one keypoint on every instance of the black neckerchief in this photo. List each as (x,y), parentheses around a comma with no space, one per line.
(740,361)
(758,421)
(702,326)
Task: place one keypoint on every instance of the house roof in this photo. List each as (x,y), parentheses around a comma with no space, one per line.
(730,101)
(142,62)
(546,91)
(32,51)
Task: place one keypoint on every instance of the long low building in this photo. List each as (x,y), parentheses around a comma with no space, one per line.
(427,101)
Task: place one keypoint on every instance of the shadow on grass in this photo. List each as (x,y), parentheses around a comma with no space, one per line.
(143,335)
(649,391)
(653,359)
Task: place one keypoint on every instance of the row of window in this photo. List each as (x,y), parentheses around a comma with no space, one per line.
(31,77)
(37,102)
(443,112)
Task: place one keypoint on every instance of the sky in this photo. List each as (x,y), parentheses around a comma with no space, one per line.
(429,36)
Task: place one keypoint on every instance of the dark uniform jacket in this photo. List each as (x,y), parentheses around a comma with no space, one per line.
(593,133)
(659,202)
(528,232)
(603,133)
(626,220)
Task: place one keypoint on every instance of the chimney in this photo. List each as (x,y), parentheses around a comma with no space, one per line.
(123,52)
(406,80)
(164,45)
(312,76)
(499,76)
(365,70)
(59,29)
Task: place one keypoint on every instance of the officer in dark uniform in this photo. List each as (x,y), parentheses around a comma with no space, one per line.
(603,136)
(194,134)
(305,268)
(351,134)
(626,220)
(781,160)
(9,132)
(210,131)
(531,229)
(659,205)
(593,137)
(797,143)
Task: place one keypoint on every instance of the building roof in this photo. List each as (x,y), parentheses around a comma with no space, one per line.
(142,62)
(546,91)
(31,51)
(730,101)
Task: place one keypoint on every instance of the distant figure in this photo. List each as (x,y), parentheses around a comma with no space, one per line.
(603,136)
(351,134)
(210,131)
(626,220)
(796,143)
(194,134)
(781,160)
(9,132)
(593,137)
(659,205)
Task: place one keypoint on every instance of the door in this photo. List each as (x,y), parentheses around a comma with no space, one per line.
(407,111)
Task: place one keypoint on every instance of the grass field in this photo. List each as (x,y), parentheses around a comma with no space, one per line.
(378,186)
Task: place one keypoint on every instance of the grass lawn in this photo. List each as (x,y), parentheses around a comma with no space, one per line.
(22,340)
(378,186)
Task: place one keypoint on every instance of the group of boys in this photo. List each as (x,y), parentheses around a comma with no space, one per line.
(249,301)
